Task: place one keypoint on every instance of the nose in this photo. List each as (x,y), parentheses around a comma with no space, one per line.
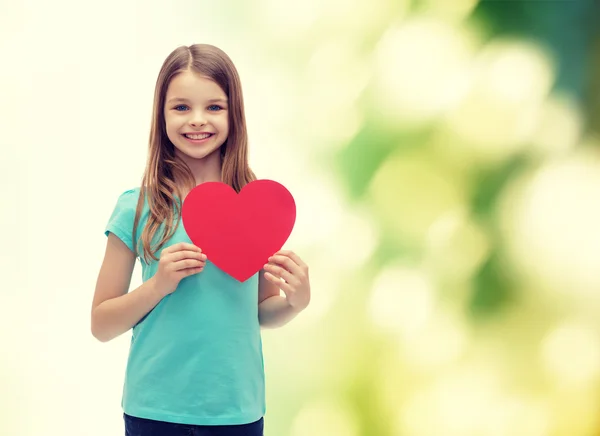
(197,119)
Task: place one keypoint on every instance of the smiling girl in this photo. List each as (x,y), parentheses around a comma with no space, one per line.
(195,363)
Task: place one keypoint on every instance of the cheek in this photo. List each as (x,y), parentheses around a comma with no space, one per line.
(224,126)
(171,126)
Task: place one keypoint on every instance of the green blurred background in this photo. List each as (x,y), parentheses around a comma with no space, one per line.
(464,136)
(445,160)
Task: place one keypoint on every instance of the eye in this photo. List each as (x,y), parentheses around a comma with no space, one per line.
(180,107)
(214,107)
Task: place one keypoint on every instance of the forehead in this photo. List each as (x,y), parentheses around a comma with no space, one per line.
(193,86)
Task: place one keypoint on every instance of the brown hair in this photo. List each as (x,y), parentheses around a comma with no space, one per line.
(164,168)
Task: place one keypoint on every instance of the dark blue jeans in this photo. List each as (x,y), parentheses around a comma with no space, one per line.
(146,427)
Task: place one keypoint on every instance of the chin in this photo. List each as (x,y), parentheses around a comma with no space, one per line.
(196,154)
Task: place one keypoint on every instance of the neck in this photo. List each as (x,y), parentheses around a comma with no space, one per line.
(207,169)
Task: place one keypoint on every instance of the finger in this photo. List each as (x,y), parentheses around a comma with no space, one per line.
(192,271)
(187,263)
(286,262)
(185,254)
(182,246)
(297,259)
(294,257)
(286,288)
(282,273)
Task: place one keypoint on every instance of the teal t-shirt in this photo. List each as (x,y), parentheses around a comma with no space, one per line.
(196,358)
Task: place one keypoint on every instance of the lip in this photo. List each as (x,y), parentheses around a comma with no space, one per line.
(197,141)
(198,133)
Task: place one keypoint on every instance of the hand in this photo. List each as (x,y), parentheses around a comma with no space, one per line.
(177,262)
(290,274)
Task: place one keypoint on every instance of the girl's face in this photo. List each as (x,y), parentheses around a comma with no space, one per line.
(195,115)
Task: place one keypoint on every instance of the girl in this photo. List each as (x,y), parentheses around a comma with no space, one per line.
(195,363)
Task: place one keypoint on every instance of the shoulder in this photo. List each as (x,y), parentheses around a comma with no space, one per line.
(126,204)
(131,193)
(121,220)
(129,198)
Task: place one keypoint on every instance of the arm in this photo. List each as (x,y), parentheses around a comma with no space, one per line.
(114,311)
(275,310)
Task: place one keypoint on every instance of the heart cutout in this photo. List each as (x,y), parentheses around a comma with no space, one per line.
(239,232)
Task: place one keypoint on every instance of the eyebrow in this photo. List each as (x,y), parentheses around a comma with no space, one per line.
(212,100)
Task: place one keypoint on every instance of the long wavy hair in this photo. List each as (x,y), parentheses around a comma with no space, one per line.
(167,176)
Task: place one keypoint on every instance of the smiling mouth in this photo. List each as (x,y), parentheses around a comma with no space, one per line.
(198,136)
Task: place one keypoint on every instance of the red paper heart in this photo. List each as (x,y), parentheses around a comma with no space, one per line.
(239,232)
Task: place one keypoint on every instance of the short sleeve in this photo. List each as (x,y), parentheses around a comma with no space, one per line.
(121,219)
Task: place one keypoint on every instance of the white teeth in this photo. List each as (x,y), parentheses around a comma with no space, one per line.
(203,136)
